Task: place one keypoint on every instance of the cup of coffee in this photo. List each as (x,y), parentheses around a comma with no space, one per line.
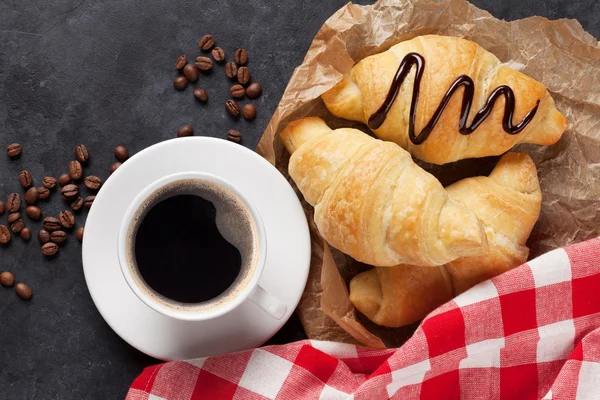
(193,247)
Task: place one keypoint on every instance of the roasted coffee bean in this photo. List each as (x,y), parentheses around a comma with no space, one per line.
(4,234)
(243,75)
(49,249)
(181,62)
(25,234)
(67,219)
(203,63)
(7,279)
(23,291)
(58,237)
(241,56)
(89,201)
(121,153)
(43,236)
(232,108)
(234,136)
(180,82)
(49,182)
(190,72)
(51,224)
(231,70)
(237,91)
(185,130)
(17,226)
(201,94)
(31,196)
(43,193)
(79,233)
(12,217)
(114,167)
(207,42)
(64,179)
(33,212)
(75,170)
(254,90)
(2,208)
(218,54)
(13,203)
(13,150)
(81,153)
(249,112)
(92,182)
(77,204)
(70,192)
(25,179)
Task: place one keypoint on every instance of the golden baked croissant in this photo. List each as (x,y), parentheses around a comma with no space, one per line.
(373,202)
(444,64)
(508,203)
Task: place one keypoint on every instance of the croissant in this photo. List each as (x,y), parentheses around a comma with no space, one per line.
(507,202)
(373,202)
(426,117)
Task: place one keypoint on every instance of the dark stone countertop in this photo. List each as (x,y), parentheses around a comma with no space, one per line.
(100,73)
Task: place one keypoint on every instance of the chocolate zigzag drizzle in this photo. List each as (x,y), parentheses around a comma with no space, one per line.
(411,59)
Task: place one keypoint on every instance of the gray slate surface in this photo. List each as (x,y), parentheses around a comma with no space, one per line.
(100,73)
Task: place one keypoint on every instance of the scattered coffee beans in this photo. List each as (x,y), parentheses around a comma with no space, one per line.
(231,70)
(49,249)
(43,236)
(25,234)
(237,91)
(234,136)
(114,167)
(49,182)
(4,234)
(17,226)
(121,153)
(181,62)
(25,179)
(232,108)
(243,75)
(33,212)
(241,56)
(51,224)
(13,150)
(180,83)
(89,201)
(218,54)
(79,233)
(43,193)
(12,217)
(13,203)
(64,179)
(249,112)
(75,170)
(81,153)
(185,130)
(58,237)
(207,42)
(254,90)
(23,291)
(92,182)
(67,219)
(70,192)
(31,196)
(203,63)
(190,72)
(7,279)
(77,204)
(201,95)
(2,208)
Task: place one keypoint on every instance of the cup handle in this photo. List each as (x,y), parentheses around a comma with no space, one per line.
(268,302)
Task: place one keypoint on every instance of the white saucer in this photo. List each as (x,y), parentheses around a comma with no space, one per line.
(284,276)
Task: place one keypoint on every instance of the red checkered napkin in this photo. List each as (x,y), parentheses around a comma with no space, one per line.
(531,333)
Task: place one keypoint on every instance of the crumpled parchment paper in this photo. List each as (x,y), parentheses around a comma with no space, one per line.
(558,53)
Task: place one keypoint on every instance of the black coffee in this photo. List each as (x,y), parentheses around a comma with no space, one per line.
(180,252)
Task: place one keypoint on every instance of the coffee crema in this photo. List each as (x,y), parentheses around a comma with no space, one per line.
(192,245)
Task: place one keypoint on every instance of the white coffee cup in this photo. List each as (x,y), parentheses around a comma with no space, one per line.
(246,289)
